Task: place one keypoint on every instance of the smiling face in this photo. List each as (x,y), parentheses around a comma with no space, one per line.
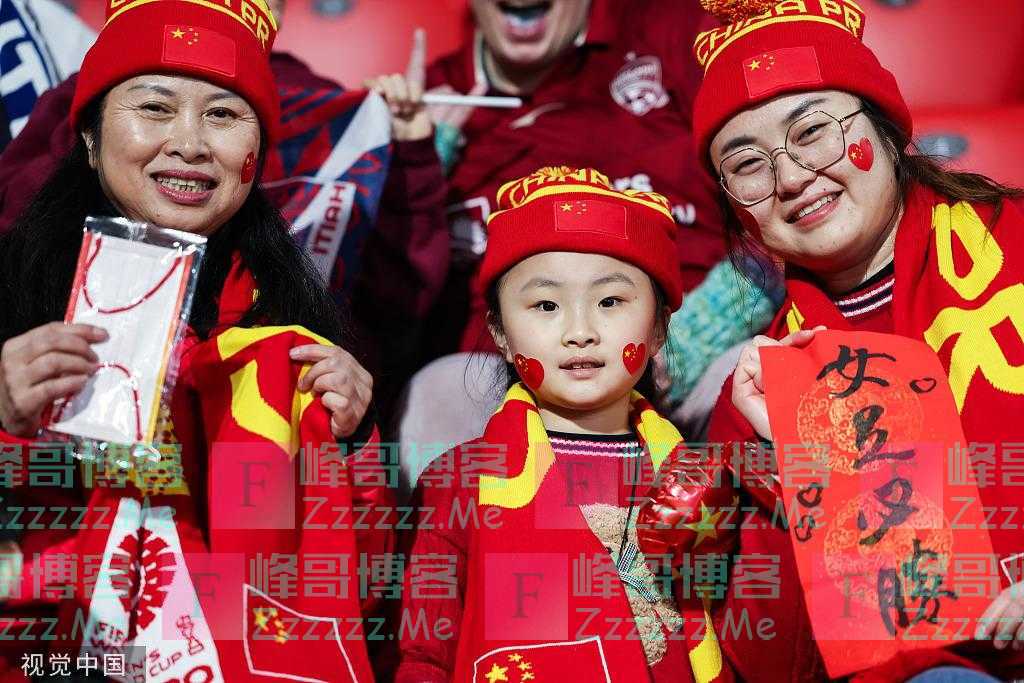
(529,33)
(176,151)
(589,321)
(838,222)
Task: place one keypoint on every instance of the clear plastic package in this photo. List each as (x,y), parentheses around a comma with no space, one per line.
(135,280)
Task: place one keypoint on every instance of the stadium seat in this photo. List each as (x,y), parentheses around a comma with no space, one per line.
(950,53)
(987,140)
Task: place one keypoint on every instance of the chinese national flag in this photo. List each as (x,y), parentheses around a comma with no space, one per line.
(590,215)
(581,661)
(768,71)
(201,47)
(283,643)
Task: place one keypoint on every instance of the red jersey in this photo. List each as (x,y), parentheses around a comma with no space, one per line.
(620,101)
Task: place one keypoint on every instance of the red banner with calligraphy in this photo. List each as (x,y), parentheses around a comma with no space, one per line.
(886,548)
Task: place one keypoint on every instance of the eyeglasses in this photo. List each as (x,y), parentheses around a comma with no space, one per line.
(814,141)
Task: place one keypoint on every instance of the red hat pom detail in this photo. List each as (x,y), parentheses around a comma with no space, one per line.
(730,11)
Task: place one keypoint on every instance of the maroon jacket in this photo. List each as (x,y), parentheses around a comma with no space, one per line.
(620,102)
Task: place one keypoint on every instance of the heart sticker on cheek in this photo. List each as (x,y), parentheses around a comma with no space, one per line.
(861,154)
(634,357)
(249,169)
(530,370)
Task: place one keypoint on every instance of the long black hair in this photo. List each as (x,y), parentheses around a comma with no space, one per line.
(39,254)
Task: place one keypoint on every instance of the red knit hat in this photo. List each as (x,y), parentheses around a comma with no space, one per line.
(226,43)
(569,209)
(770,48)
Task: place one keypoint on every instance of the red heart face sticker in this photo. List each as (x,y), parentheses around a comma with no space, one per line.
(249,169)
(530,370)
(861,154)
(634,357)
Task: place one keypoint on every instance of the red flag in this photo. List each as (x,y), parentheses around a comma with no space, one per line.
(591,215)
(784,67)
(578,660)
(862,424)
(283,643)
(201,47)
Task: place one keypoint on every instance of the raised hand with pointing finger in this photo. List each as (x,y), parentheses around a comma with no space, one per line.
(411,118)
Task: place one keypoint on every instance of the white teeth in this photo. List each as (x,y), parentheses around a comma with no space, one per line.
(815,206)
(184,185)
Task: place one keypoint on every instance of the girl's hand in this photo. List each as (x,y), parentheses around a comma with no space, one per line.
(345,387)
(1003,621)
(39,367)
(748,385)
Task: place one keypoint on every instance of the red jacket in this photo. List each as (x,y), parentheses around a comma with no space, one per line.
(935,284)
(525,573)
(620,102)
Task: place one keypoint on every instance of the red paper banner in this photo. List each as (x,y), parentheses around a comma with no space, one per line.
(886,550)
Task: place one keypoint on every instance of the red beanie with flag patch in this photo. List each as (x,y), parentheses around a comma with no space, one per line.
(769,48)
(225,43)
(577,209)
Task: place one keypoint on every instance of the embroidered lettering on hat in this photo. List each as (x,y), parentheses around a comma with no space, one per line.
(788,66)
(590,215)
(200,47)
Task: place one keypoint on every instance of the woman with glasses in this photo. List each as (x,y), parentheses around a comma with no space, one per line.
(811,140)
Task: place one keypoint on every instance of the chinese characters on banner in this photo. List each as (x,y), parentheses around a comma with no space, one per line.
(875,546)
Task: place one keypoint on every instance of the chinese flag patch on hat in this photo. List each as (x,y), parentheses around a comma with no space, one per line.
(190,46)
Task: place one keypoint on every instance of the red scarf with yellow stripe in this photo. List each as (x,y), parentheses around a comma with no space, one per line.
(959,286)
(219,562)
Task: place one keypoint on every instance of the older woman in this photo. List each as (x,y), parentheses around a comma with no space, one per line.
(212,566)
(811,141)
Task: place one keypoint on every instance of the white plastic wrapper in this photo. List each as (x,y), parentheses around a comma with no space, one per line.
(136,281)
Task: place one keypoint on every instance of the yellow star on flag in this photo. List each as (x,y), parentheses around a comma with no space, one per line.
(260,618)
(754,65)
(525,666)
(515,657)
(497,673)
(178,33)
(567,207)
(706,527)
(527,676)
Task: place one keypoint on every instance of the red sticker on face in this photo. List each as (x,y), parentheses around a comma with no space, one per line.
(634,357)
(530,370)
(861,154)
(249,169)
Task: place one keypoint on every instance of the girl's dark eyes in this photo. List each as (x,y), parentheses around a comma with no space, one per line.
(610,301)
(223,113)
(155,107)
(546,306)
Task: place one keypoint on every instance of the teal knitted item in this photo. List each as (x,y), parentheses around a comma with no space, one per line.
(729,306)
(448,142)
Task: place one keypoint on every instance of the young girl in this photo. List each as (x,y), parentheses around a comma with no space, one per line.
(525,563)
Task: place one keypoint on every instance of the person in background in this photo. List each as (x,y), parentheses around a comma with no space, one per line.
(44,42)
